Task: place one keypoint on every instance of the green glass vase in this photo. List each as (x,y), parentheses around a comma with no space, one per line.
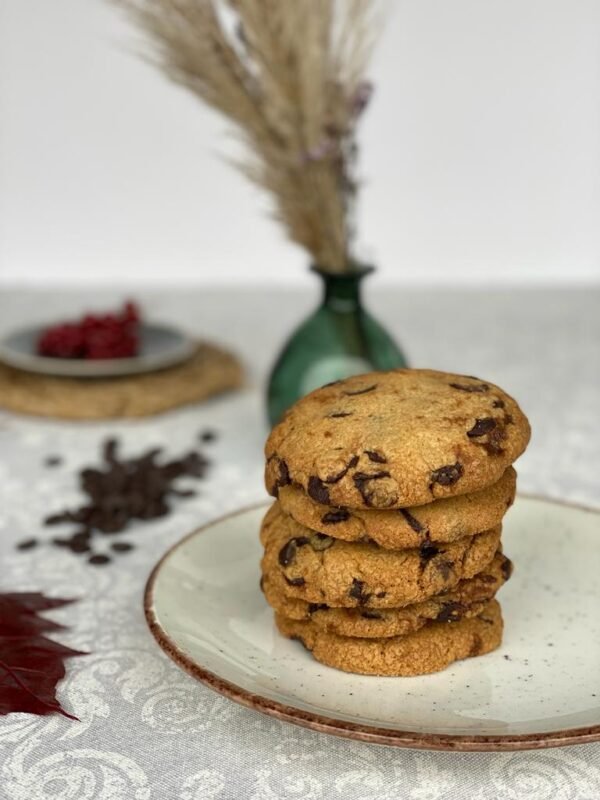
(338,340)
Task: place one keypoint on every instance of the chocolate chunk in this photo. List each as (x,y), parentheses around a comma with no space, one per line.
(373,455)
(361,391)
(339,515)
(380,595)
(317,490)
(52,461)
(121,547)
(361,481)
(27,544)
(481,427)
(451,612)
(320,541)
(283,478)
(287,554)
(507,568)
(357,593)
(414,523)
(498,404)
(338,477)
(471,387)
(312,607)
(366,614)
(99,560)
(447,475)
(445,568)
(339,414)
(477,645)
(428,550)
(294,581)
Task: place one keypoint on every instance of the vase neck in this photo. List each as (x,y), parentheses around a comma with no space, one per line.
(342,292)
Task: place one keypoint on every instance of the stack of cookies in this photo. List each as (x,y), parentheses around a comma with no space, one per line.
(382,552)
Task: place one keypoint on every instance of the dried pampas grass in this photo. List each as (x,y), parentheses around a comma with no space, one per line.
(289,74)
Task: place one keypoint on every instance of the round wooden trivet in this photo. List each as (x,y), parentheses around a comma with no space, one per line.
(209,371)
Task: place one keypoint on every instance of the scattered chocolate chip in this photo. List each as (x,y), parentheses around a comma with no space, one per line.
(317,490)
(361,391)
(373,455)
(451,612)
(361,481)
(481,427)
(366,614)
(471,387)
(312,607)
(507,568)
(287,554)
(339,414)
(357,593)
(294,581)
(283,478)
(445,568)
(208,435)
(380,595)
(498,404)
(447,475)
(338,477)
(27,544)
(122,547)
(477,645)
(99,559)
(320,541)
(428,550)
(414,523)
(339,515)
(52,461)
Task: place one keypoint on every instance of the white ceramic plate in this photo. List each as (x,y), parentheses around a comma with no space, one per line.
(540,689)
(160,347)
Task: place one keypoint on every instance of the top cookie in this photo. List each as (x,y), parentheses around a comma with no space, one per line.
(396,439)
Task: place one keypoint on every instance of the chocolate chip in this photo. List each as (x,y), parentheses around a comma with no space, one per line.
(99,560)
(357,593)
(481,427)
(360,391)
(447,475)
(317,490)
(283,478)
(380,595)
(445,568)
(294,581)
(121,547)
(339,414)
(485,578)
(498,404)
(471,387)
(506,568)
(320,541)
(287,554)
(451,612)
(261,583)
(338,477)
(361,481)
(371,614)
(477,645)
(414,523)
(27,544)
(373,455)
(312,607)
(339,515)
(52,461)
(428,550)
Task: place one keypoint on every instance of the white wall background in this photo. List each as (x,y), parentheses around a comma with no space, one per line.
(481,153)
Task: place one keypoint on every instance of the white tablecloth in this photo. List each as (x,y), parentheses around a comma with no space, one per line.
(147,730)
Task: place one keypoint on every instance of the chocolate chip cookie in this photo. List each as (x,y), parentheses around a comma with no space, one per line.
(396,439)
(443,521)
(466,600)
(430,649)
(320,569)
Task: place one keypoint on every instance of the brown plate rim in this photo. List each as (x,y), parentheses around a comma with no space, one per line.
(350,730)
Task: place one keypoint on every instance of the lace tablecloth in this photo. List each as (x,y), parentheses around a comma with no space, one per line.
(150,732)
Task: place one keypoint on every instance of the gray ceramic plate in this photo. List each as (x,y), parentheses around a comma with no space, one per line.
(160,347)
(541,688)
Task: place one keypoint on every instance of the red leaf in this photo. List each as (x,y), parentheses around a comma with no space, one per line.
(31,665)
